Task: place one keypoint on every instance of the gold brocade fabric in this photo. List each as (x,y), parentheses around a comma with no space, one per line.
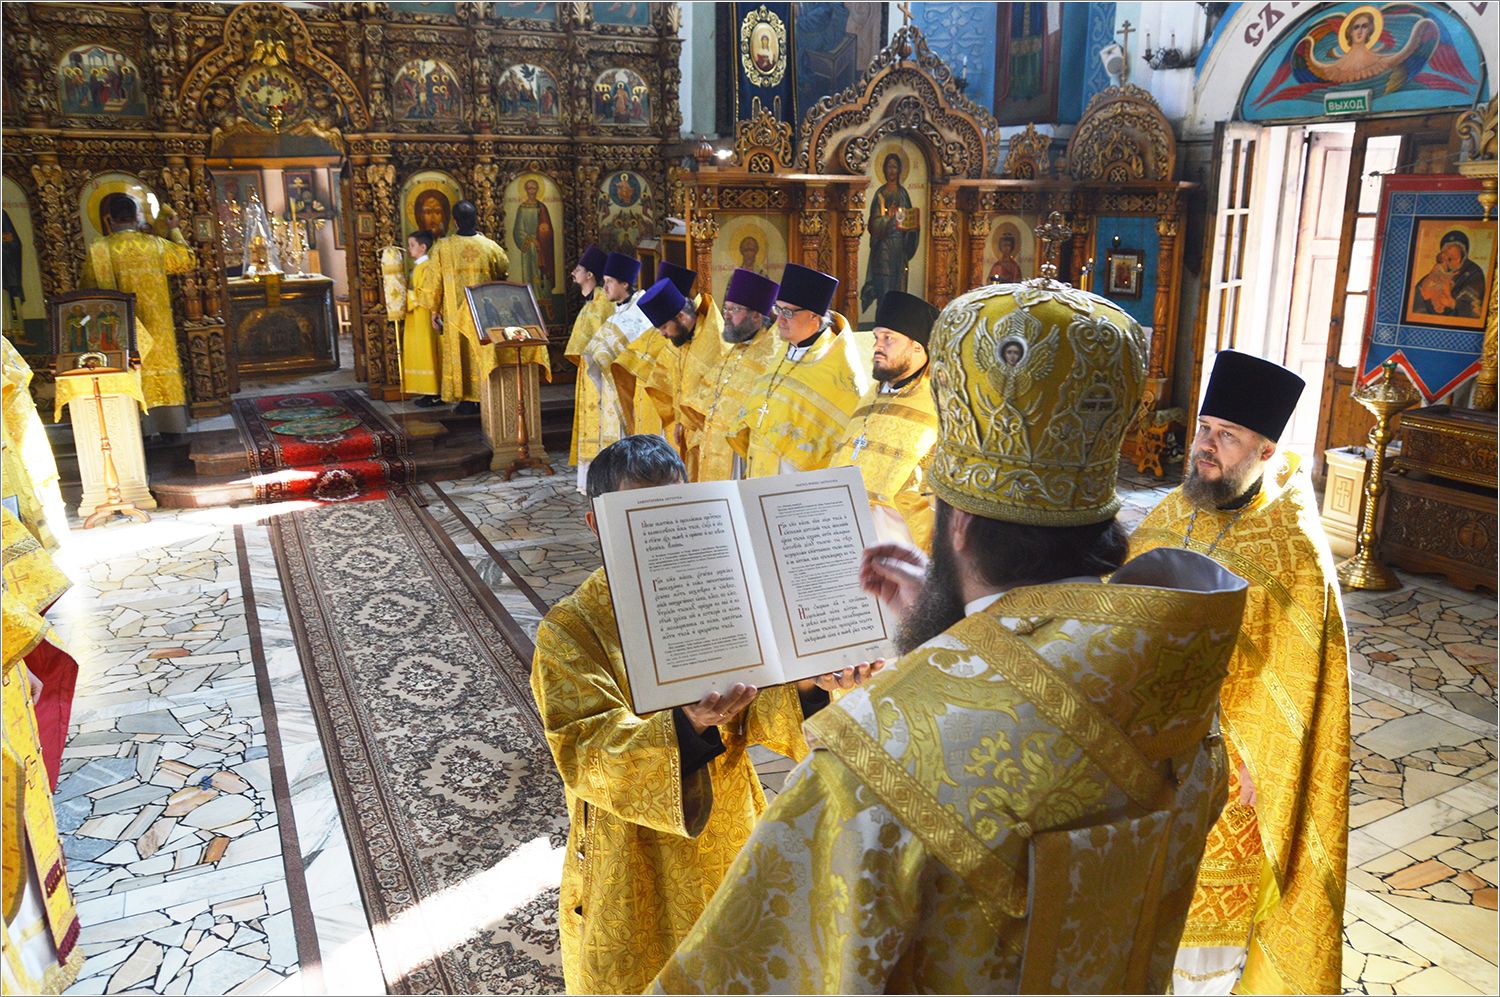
(421,354)
(1031,736)
(31,579)
(633,370)
(585,394)
(454,263)
(680,388)
(80,388)
(29,470)
(1036,382)
(646,848)
(797,410)
(620,327)
(1286,714)
(716,409)
(140,263)
(890,439)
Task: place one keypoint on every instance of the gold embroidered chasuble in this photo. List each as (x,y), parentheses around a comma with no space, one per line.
(633,369)
(717,407)
(623,324)
(1018,805)
(41,922)
(680,387)
(454,263)
(795,413)
(1285,715)
(139,263)
(585,394)
(29,470)
(646,847)
(890,439)
(421,354)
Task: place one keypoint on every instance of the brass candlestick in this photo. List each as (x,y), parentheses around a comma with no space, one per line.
(1383,399)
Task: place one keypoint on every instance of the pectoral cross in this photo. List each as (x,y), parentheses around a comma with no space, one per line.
(1052,235)
(764,410)
(859,444)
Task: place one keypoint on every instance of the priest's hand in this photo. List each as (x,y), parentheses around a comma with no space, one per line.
(34,683)
(713,709)
(849,678)
(1248,795)
(893,573)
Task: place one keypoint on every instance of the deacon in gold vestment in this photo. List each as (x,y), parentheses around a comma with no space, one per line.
(794,414)
(1020,802)
(1274,872)
(895,427)
(623,323)
(750,349)
(587,275)
(456,262)
(694,331)
(658,804)
(41,924)
(139,263)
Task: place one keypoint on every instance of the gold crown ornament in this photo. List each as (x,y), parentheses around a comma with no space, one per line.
(1035,384)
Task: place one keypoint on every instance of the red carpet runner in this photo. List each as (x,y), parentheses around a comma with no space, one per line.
(328,446)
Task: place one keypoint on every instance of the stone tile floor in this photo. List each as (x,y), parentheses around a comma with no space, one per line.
(208,856)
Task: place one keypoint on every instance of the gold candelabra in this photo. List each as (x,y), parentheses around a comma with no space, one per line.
(1383,399)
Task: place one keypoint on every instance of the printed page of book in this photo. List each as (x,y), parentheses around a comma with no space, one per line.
(809,531)
(686,592)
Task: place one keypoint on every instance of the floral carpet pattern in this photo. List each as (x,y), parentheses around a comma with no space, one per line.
(449,795)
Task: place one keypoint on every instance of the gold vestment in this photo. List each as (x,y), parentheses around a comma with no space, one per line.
(421,354)
(29,471)
(1019,805)
(585,394)
(138,263)
(454,263)
(633,369)
(646,847)
(717,408)
(681,389)
(795,413)
(622,325)
(1285,715)
(890,439)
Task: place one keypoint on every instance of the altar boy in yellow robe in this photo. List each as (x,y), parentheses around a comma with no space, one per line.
(589,276)
(659,804)
(139,263)
(1268,913)
(420,353)
(895,427)
(1019,803)
(750,348)
(693,329)
(793,416)
(454,263)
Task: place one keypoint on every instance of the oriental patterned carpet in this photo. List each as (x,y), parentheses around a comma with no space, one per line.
(452,806)
(330,446)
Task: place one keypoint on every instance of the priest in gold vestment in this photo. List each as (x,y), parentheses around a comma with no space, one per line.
(750,349)
(29,474)
(588,275)
(694,330)
(1268,913)
(42,954)
(1019,803)
(794,414)
(895,427)
(456,262)
(622,324)
(646,368)
(659,804)
(139,263)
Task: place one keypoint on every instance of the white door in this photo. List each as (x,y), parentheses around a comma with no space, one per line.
(1315,267)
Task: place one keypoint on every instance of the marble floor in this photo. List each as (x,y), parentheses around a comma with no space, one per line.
(207,852)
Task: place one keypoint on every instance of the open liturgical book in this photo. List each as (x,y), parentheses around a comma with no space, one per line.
(739,581)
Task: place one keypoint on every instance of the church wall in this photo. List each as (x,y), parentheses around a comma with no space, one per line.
(1135,235)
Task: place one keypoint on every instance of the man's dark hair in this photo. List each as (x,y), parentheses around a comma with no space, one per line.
(640,460)
(121,209)
(424,237)
(1010,554)
(466,217)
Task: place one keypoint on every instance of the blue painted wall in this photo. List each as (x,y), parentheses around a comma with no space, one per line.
(1134,233)
(1075,54)
(959,30)
(1101,31)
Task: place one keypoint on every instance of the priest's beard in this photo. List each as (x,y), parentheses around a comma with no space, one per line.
(895,366)
(941,603)
(746,329)
(1232,482)
(678,333)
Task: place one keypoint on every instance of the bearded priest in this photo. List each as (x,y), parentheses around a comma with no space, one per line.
(794,414)
(1269,909)
(750,347)
(692,328)
(1019,804)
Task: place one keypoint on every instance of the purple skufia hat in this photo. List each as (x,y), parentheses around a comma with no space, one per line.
(592,260)
(622,268)
(681,277)
(750,290)
(662,301)
(807,288)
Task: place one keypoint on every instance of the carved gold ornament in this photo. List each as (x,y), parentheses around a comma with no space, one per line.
(763,47)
